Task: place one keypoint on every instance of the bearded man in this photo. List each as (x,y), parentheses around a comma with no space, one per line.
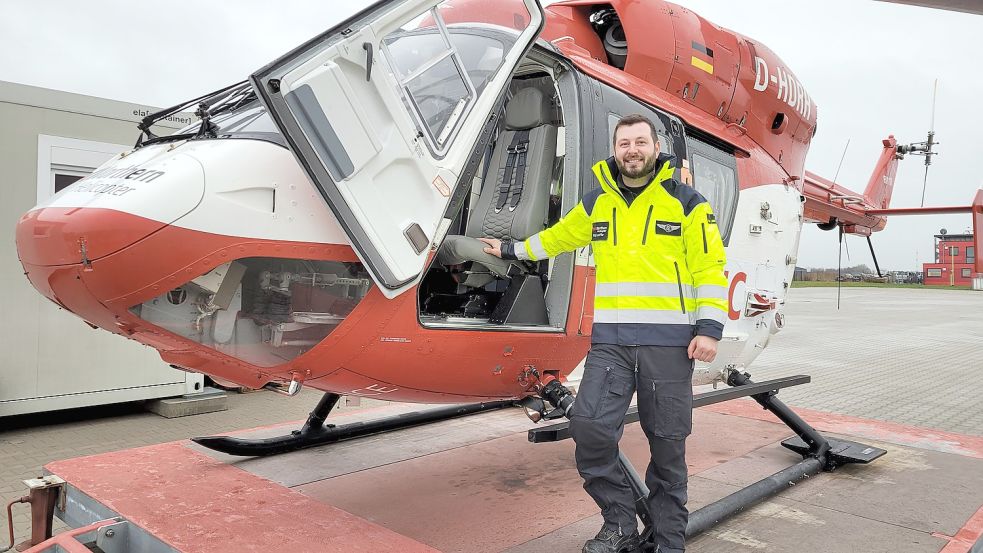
(659,305)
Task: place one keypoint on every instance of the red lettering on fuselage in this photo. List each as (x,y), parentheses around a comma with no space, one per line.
(731,312)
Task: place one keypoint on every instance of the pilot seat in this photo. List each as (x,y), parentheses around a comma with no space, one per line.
(513,205)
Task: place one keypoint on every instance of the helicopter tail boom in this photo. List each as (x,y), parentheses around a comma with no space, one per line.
(976,209)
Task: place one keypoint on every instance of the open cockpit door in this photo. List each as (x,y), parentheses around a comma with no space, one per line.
(385,110)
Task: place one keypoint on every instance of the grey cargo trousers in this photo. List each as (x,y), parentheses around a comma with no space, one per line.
(663,378)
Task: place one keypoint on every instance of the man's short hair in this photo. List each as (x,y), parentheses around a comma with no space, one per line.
(634,119)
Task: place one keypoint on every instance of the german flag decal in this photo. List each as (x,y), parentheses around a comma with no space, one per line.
(699,62)
(703,49)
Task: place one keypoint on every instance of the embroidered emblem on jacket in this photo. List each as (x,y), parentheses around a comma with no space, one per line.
(668,228)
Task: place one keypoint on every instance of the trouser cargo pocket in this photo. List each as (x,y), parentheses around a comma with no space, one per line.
(600,388)
(666,410)
(665,391)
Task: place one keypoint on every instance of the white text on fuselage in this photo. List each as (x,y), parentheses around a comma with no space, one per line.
(372,390)
(790,90)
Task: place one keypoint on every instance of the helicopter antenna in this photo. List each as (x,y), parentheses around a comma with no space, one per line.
(874,256)
(839,269)
(842,157)
(925,148)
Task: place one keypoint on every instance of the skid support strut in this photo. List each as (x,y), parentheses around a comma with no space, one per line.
(819,453)
(315,432)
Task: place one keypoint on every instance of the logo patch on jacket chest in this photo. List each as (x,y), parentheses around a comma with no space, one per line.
(599,231)
(668,228)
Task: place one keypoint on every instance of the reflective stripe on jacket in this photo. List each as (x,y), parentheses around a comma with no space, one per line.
(659,262)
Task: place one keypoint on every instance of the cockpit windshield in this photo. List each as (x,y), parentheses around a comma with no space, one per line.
(247,121)
(435,89)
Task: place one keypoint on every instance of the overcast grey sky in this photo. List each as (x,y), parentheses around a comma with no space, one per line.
(869,66)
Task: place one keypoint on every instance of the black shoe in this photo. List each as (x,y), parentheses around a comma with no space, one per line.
(610,541)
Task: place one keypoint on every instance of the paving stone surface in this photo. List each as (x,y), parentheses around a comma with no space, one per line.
(909,356)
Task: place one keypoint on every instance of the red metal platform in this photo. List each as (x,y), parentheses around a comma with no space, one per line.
(476,484)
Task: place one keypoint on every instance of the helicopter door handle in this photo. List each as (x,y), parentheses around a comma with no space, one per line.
(291,389)
(367,46)
(740,129)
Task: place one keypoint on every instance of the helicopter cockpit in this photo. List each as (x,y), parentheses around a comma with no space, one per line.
(517,192)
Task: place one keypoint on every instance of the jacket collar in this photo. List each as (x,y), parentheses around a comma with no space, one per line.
(607,172)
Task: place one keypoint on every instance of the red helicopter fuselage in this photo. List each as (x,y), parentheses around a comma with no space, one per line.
(123,260)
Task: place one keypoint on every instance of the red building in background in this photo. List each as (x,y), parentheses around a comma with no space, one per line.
(954,258)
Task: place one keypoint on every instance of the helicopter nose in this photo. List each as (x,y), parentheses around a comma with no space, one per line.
(116,206)
(55,236)
(61,242)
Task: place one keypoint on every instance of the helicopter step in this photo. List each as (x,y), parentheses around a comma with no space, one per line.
(840,452)
(561,430)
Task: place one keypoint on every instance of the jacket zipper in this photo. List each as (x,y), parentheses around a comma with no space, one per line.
(679,282)
(614,223)
(703,227)
(648,219)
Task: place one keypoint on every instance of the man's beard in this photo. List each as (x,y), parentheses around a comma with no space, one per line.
(647,168)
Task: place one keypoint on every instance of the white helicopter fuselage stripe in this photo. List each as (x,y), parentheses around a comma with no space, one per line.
(256,191)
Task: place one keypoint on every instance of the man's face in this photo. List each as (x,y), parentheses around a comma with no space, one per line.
(634,150)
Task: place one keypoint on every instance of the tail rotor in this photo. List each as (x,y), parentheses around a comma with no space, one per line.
(925,148)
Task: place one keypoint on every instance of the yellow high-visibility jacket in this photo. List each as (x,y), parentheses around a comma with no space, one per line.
(659,262)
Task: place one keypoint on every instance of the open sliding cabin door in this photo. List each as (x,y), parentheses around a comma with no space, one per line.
(384,111)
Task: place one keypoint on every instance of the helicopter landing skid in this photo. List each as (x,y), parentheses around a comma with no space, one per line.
(818,453)
(315,432)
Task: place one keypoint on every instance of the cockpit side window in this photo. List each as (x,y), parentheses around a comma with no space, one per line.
(611,104)
(715,177)
(665,145)
(442,69)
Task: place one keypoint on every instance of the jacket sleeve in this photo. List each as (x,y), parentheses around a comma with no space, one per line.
(705,259)
(569,233)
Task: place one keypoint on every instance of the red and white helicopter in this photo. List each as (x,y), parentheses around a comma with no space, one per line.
(319,226)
